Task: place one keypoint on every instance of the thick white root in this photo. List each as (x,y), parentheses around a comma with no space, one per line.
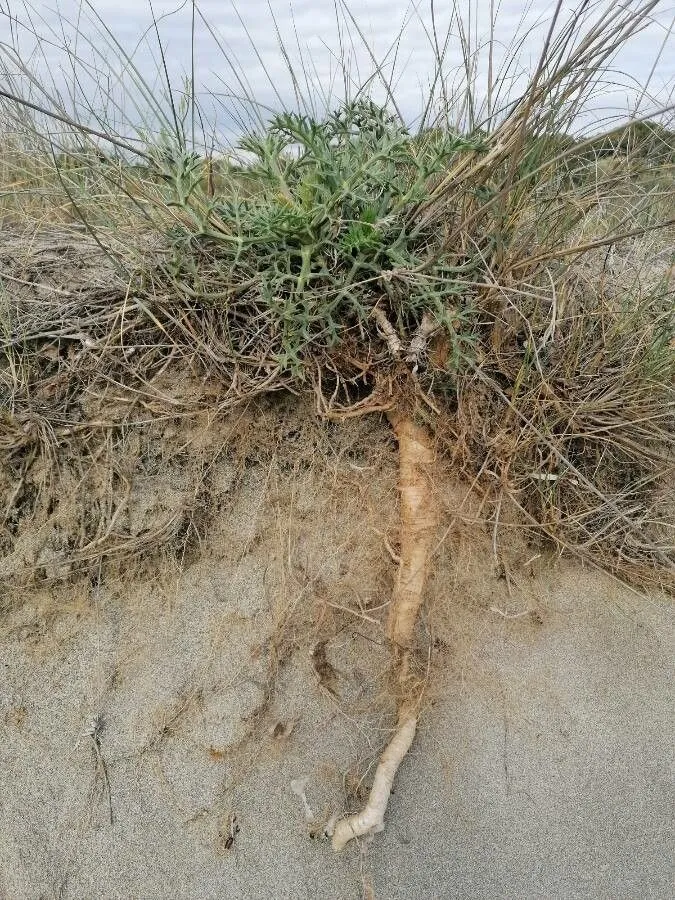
(418,521)
(371,818)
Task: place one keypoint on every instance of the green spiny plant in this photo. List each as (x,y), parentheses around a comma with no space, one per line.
(320,224)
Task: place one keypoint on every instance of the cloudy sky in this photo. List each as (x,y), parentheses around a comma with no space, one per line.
(238,50)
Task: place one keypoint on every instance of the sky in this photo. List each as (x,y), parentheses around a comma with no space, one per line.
(238,51)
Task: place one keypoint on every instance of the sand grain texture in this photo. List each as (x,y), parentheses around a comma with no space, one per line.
(543,766)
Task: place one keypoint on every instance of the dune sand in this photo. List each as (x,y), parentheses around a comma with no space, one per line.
(187,734)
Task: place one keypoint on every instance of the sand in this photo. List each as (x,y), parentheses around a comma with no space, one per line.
(142,723)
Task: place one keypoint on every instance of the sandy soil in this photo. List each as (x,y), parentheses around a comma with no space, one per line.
(142,723)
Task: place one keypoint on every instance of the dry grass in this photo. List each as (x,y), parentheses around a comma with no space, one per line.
(570,415)
(567,413)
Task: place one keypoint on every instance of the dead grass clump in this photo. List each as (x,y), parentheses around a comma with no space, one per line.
(570,417)
(102,401)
